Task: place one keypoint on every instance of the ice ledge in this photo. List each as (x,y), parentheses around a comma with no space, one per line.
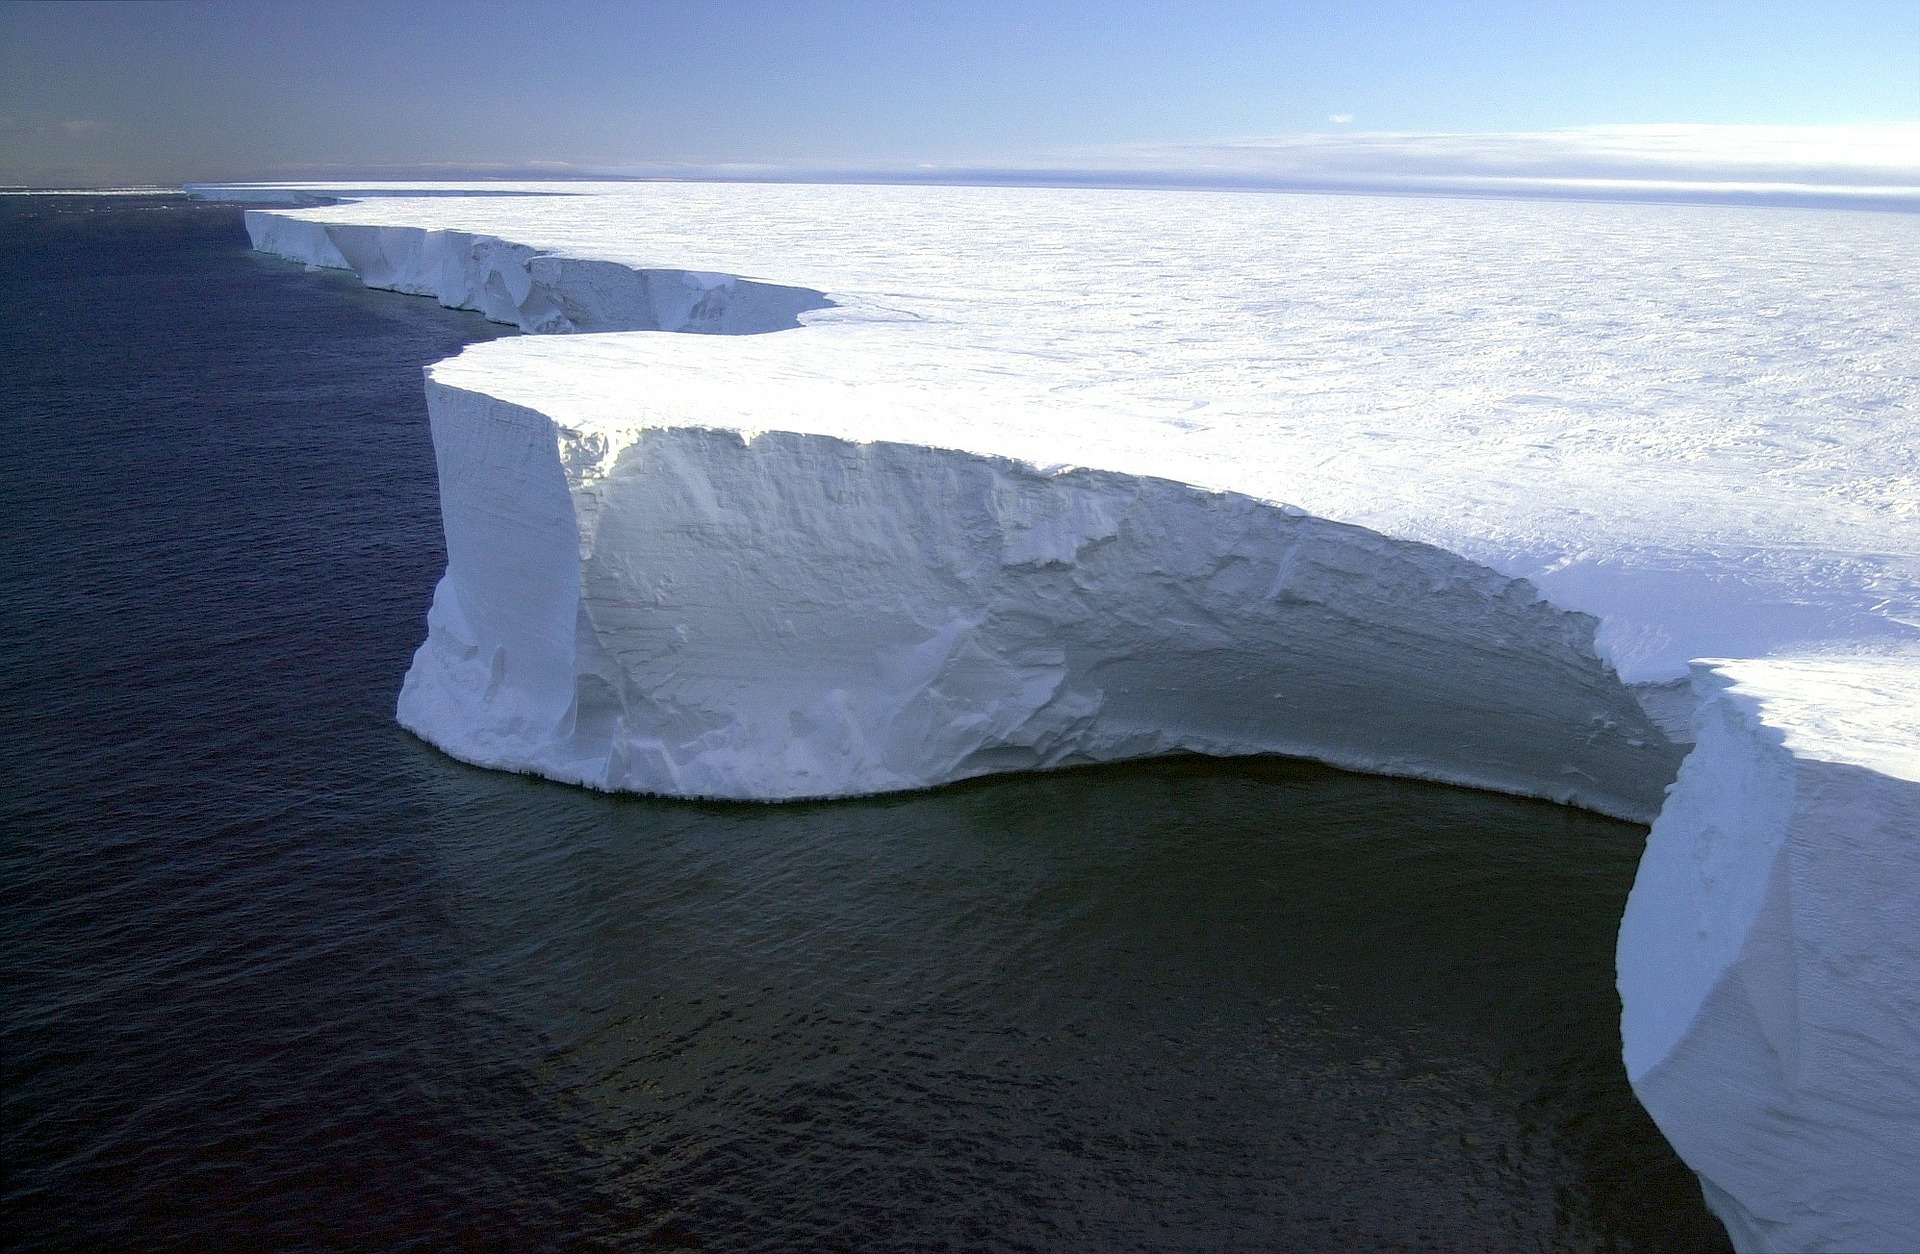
(703,612)
(1768,954)
(536,291)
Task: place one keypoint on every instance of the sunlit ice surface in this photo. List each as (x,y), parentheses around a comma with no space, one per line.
(1693,421)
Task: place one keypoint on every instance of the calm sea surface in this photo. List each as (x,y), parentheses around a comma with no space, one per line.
(278,976)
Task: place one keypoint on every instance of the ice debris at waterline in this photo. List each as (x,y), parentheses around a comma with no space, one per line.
(1467,490)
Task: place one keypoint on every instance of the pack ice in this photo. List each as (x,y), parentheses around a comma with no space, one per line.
(1520,495)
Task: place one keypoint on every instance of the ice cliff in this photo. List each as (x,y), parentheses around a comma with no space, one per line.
(1035,478)
(530,289)
(1768,955)
(814,617)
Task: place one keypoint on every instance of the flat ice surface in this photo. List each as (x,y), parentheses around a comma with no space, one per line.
(1697,423)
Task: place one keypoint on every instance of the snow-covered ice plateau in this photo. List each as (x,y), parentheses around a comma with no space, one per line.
(1523,495)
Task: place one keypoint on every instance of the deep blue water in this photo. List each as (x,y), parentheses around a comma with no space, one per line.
(276,975)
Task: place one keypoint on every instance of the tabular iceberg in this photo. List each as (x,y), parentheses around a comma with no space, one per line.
(1033,478)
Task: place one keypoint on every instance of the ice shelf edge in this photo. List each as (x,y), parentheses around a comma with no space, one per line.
(1730,1064)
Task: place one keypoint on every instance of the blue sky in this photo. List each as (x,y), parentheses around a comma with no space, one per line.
(112,93)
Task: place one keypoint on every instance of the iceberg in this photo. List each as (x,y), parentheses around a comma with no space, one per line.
(1528,496)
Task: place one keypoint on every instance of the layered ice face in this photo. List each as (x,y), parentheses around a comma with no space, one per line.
(704,611)
(981,479)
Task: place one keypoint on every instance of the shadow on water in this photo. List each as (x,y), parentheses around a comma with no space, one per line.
(281,976)
(1180,1004)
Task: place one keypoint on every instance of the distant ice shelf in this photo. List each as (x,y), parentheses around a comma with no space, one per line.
(976,479)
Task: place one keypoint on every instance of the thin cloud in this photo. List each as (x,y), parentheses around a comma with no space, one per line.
(1881,155)
(1875,166)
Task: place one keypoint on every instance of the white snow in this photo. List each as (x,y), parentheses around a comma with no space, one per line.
(1034,477)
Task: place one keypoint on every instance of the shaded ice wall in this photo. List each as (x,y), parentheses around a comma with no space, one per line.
(533,290)
(800,616)
(1770,950)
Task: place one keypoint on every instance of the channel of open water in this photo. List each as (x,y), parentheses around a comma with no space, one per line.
(277,975)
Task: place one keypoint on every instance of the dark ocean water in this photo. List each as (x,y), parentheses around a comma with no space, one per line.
(278,976)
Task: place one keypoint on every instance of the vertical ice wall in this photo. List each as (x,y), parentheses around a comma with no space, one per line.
(693,612)
(1770,954)
(524,287)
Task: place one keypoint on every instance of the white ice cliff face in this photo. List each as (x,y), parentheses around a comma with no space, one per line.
(1032,478)
(1769,953)
(698,613)
(534,290)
